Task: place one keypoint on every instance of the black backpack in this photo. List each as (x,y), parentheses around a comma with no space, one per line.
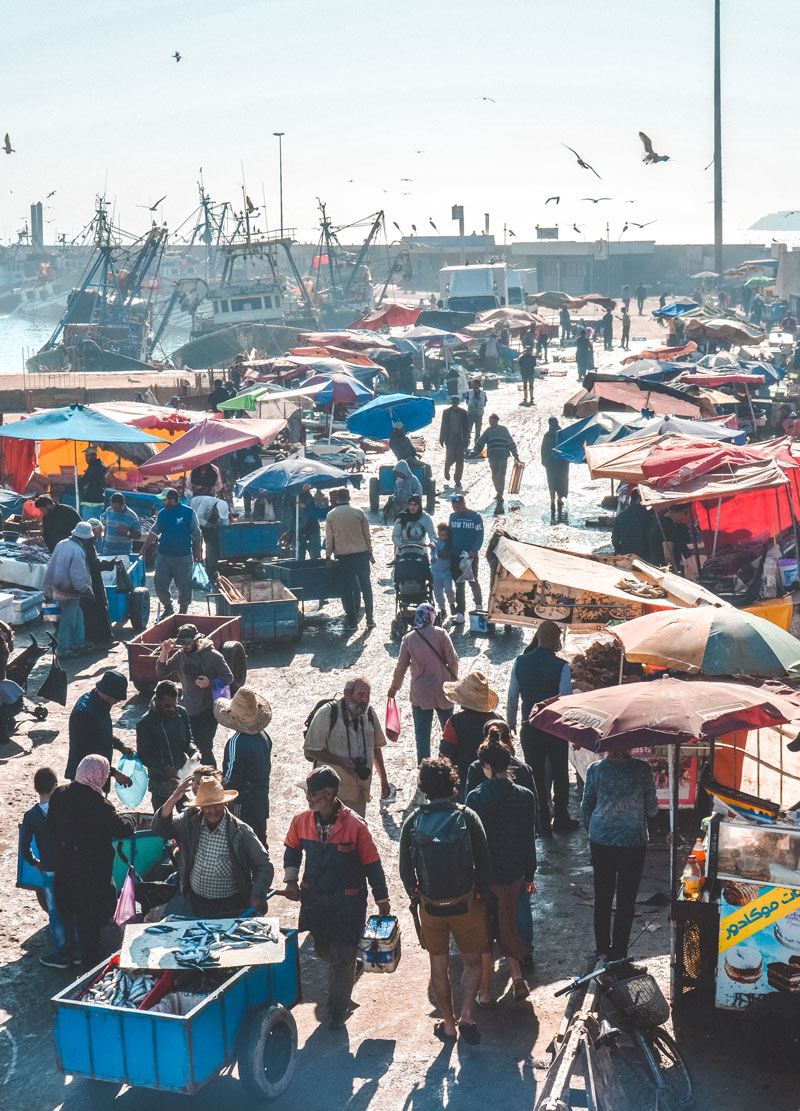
(442,853)
(334,705)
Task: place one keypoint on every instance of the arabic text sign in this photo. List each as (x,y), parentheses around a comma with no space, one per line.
(767,909)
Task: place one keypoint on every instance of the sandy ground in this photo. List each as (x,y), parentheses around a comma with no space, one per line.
(387,1058)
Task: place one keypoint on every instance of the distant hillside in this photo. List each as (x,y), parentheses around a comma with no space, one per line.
(777,221)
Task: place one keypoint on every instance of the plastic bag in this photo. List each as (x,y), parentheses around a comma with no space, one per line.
(393,719)
(220,690)
(126,903)
(193,762)
(200,579)
(465,567)
(133,767)
(123,583)
(54,688)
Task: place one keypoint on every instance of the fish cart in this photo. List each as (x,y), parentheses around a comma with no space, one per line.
(313,579)
(225,633)
(239,1014)
(246,539)
(383,484)
(267,609)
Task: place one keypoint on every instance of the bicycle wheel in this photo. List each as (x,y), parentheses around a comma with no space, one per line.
(677,1092)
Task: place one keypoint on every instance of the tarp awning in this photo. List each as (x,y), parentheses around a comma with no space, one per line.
(632,396)
(663,353)
(765,474)
(209,440)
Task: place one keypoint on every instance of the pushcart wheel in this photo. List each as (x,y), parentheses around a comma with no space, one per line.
(236,659)
(139,608)
(374,495)
(268,1051)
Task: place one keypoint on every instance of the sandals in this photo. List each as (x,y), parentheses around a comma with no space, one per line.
(485,1005)
(440,1033)
(469,1033)
(521,990)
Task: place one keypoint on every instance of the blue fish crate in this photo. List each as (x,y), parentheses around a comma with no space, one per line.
(171,1053)
(311,578)
(243,539)
(271,610)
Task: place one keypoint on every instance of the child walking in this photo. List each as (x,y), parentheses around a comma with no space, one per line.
(442,571)
(36,834)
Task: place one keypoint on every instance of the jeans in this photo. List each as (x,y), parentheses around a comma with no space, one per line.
(539,747)
(423,722)
(177,569)
(84,909)
(443,588)
(474,586)
(525,919)
(57,935)
(474,423)
(616,868)
(71,632)
(204,729)
(498,465)
(354,576)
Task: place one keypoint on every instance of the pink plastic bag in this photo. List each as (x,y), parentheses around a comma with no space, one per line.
(393,720)
(126,904)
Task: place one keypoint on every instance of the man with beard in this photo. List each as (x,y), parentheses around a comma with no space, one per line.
(197,665)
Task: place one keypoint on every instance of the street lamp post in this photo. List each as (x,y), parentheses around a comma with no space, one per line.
(279,136)
(717,144)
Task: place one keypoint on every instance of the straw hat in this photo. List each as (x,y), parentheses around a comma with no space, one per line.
(247,712)
(472,692)
(210,792)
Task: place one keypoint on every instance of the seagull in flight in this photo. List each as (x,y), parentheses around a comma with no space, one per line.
(596,200)
(556,199)
(7,145)
(406,179)
(647,225)
(153,207)
(491,98)
(51,194)
(430,221)
(650,155)
(177,56)
(577,229)
(414,228)
(583,165)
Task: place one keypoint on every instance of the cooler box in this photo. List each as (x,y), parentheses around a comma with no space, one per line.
(479,623)
(379,944)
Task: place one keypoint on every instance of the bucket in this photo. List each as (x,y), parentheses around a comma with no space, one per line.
(51,611)
(788,571)
(479,623)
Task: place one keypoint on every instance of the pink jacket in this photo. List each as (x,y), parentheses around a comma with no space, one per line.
(429,653)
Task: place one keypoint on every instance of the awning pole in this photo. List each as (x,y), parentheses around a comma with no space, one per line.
(77,494)
(716,529)
(674,798)
(297,526)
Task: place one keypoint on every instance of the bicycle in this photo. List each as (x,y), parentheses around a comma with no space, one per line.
(610,1053)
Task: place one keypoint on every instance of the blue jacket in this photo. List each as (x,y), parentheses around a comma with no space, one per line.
(246,766)
(34,827)
(90,731)
(508,813)
(340,868)
(467,532)
(176,530)
(535,676)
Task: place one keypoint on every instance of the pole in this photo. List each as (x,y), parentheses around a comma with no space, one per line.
(279,136)
(297,526)
(77,494)
(674,799)
(717,144)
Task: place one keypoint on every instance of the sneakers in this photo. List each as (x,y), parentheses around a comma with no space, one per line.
(52,960)
(459,619)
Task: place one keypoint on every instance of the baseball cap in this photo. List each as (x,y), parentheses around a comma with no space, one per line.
(170,492)
(186,634)
(320,778)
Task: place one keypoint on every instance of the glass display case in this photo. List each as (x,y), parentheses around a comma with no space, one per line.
(762,854)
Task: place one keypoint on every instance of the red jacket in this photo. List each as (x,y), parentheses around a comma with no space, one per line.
(343,864)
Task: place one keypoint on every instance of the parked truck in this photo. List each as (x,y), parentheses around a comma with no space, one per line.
(482,286)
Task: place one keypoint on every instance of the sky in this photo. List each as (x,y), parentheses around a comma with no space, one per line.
(369,95)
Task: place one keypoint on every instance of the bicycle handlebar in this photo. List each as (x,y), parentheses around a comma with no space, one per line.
(576,983)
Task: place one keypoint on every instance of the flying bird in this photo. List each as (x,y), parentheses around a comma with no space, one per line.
(430,221)
(647,225)
(419,152)
(556,199)
(583,165)
(650,155)
(596,200)
(489,98)
(513,234)
(176,56)
(51,194)
(406,179)
(7,145)
(576,228)
(153,207)
(794,212)
(397,226)
(625,228)
(406,194)
(414,228)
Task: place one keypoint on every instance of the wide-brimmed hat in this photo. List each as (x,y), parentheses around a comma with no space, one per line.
(247,712)
(472,692)
(210,792)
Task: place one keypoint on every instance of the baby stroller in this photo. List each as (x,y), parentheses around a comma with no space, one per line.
(412,587)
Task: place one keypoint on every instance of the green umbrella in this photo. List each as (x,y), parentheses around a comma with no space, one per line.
(759,280)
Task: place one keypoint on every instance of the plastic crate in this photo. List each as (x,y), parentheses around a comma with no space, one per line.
(249,538)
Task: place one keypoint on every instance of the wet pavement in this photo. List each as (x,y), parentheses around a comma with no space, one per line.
(387,1058)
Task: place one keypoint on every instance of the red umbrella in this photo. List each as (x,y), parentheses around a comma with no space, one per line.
(208,440)
(661,712)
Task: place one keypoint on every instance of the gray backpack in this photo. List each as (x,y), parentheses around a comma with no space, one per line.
(442,853)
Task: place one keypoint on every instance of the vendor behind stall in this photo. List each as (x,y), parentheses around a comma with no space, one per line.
(92,484)
(121,527)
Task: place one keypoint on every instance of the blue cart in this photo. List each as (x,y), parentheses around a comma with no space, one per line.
(270,610)
(135,605)
(383,484)
(247,1019)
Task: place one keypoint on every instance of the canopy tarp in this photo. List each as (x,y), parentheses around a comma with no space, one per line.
(763,474)
(677,308)
(387,316)
(702,429)
(676,464)
(602,428)
(715,378)
(660,354)
(535,583)
(355,358)
(731,331)
(209,440)
(623,460)
(349,338)
(638,396)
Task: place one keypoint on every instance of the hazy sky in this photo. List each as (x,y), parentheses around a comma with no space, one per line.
(93,100)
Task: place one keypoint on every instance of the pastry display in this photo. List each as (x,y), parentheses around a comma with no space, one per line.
(744,965)
(787,931)
(784,977)
(740,894)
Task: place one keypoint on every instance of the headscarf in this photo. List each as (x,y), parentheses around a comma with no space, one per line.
(93,772)
(425,615)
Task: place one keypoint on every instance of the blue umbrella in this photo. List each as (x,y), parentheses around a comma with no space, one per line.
(677,308)
(289,476)
(376,417)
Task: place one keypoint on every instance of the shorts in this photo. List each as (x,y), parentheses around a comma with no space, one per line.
(468,930)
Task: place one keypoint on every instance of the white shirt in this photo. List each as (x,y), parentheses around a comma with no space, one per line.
(202,504)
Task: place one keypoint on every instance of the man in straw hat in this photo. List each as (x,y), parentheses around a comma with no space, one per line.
(222,866)
(463,733)
(539,674)
(340,858)
(246,763)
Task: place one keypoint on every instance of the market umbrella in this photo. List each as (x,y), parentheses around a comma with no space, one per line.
(714,640)
(733,331)
(209,440)
(79,424)
(289,476)
(677,308)
(340,389)
(258,399)
(375,419)
(706,274)
(662,712)
(551,299)
(759,280)
(431,337)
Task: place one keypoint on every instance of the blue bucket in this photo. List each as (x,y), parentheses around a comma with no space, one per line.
(788,571)
(51,611)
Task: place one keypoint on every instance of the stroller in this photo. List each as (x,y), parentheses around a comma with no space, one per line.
(412,587)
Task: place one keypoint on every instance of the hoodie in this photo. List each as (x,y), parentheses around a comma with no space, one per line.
(508,814)
(186,667)
(405,483)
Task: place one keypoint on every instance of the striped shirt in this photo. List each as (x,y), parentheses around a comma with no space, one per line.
(212,871)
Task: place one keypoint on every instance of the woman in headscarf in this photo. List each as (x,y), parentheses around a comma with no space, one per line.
(413,528)
(430,654)
(83,824)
